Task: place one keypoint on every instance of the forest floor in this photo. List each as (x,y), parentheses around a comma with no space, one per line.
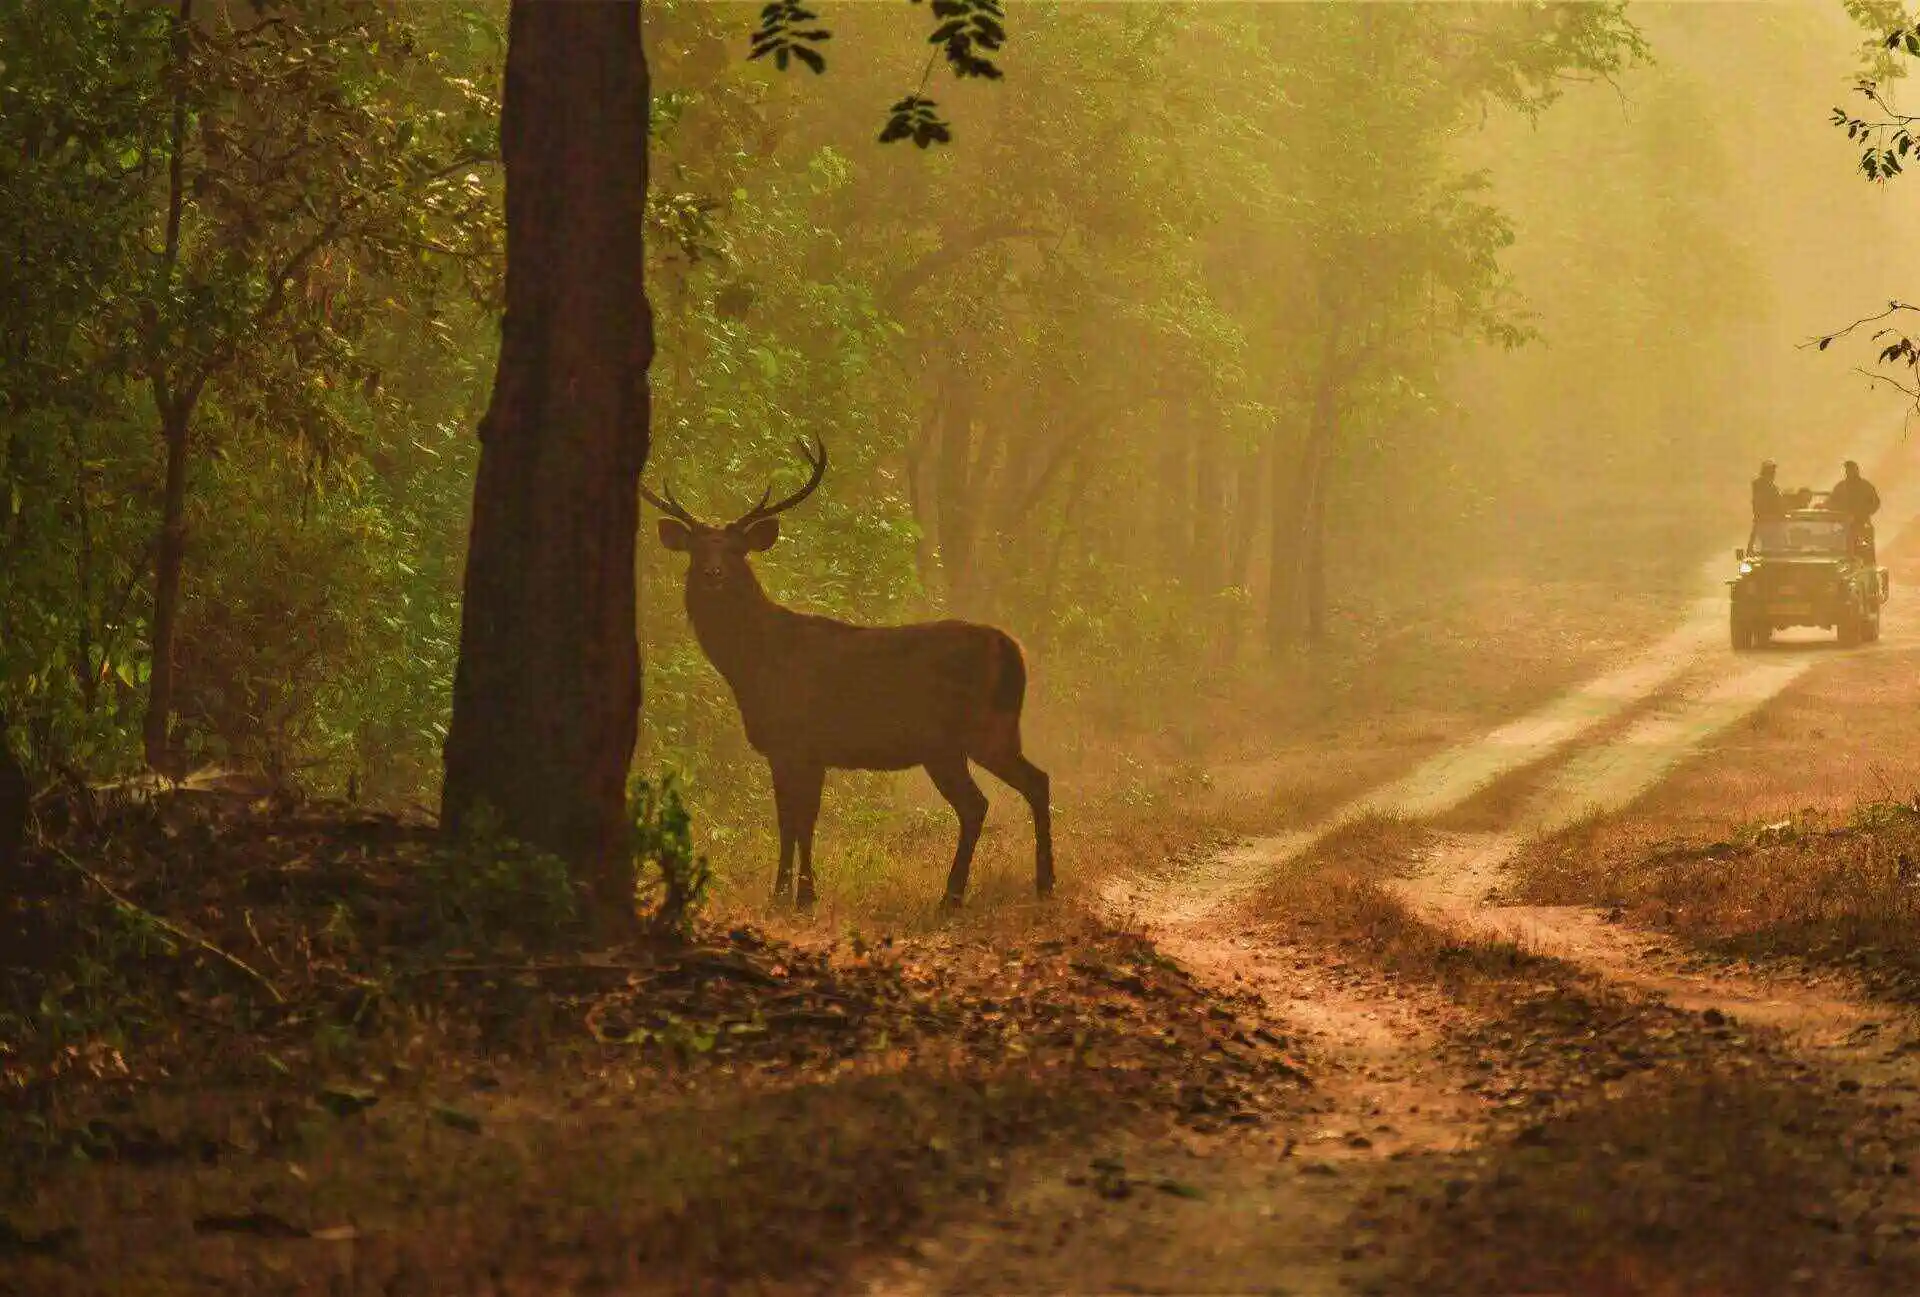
(1600,983)
(1616,998)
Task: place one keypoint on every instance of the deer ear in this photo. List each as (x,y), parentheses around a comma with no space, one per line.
(762,534)
(675,536)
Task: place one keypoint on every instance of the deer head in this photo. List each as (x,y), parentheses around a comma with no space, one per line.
(719,553)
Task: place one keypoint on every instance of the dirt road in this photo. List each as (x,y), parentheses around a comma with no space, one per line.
(1398,1101)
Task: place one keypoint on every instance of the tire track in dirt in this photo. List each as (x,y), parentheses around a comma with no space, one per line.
(1459,874)
(1439,784)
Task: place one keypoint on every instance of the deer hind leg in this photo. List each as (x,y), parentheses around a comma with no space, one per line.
(1004,760)
(955,782)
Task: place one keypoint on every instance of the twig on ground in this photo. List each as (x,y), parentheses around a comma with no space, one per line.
(169,926)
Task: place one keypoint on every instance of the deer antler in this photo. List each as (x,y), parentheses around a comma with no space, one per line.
(763,510)
(669,506)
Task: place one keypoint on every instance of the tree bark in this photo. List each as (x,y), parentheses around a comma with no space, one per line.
(953,482)
(1283,560)
(13,813)
(1246,517)
(1313,547)
(1322,433)
(175,403)
(1175,548)
(920,501)
(156,729)
(1208,566)
(546,701)
(1297,584)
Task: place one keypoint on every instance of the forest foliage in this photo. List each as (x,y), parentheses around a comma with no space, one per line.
(1162,358)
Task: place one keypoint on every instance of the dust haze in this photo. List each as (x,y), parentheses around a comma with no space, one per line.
(1185,545)
(1281,374)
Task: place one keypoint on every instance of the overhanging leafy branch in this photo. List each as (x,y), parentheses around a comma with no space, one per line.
(967,33)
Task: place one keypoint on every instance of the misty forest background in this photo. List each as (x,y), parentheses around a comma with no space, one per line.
(1221,346)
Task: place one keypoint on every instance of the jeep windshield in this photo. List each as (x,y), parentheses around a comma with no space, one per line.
(1797,536)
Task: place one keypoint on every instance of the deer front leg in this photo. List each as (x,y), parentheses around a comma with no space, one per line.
(955,783)
(783,809)
(808,786)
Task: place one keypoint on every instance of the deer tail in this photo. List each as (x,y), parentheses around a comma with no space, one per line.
(1010,680)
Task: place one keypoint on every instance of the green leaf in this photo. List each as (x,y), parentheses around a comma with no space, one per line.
(454,1117)
(346,1100)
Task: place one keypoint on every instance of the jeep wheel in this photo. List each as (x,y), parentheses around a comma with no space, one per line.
(1742,633)
(1852,628)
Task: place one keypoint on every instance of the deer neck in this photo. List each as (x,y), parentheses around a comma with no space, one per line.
(739,629)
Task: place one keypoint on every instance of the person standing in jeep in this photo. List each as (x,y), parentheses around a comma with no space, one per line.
(1854,496)
(1766,493)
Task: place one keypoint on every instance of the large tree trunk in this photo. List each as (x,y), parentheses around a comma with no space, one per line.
(1283,556)
(1175,505)
(546,698)
(1316,463)
(175,402)
(920,501)
(1297,592)
(156,730)
(13,814)
(1246,516)
(1313,555)
(953,480)
(1207,567)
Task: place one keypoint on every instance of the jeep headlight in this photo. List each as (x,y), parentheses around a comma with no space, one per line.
(1745,568)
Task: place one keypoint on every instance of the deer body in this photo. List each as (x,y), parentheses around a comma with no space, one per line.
(817,694)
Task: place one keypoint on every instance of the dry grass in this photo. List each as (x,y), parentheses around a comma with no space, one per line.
(1844,895)
(1335,895)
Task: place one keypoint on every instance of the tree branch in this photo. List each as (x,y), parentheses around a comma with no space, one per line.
(298,260)
(169,926)
(1823,341)
(909,281)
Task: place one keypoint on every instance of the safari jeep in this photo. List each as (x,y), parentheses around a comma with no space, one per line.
(1808,567)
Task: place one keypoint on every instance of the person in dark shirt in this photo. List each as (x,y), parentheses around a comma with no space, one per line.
(1854,496)
(1766,493)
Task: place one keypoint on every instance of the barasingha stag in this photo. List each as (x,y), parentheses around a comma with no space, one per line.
(818,694)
